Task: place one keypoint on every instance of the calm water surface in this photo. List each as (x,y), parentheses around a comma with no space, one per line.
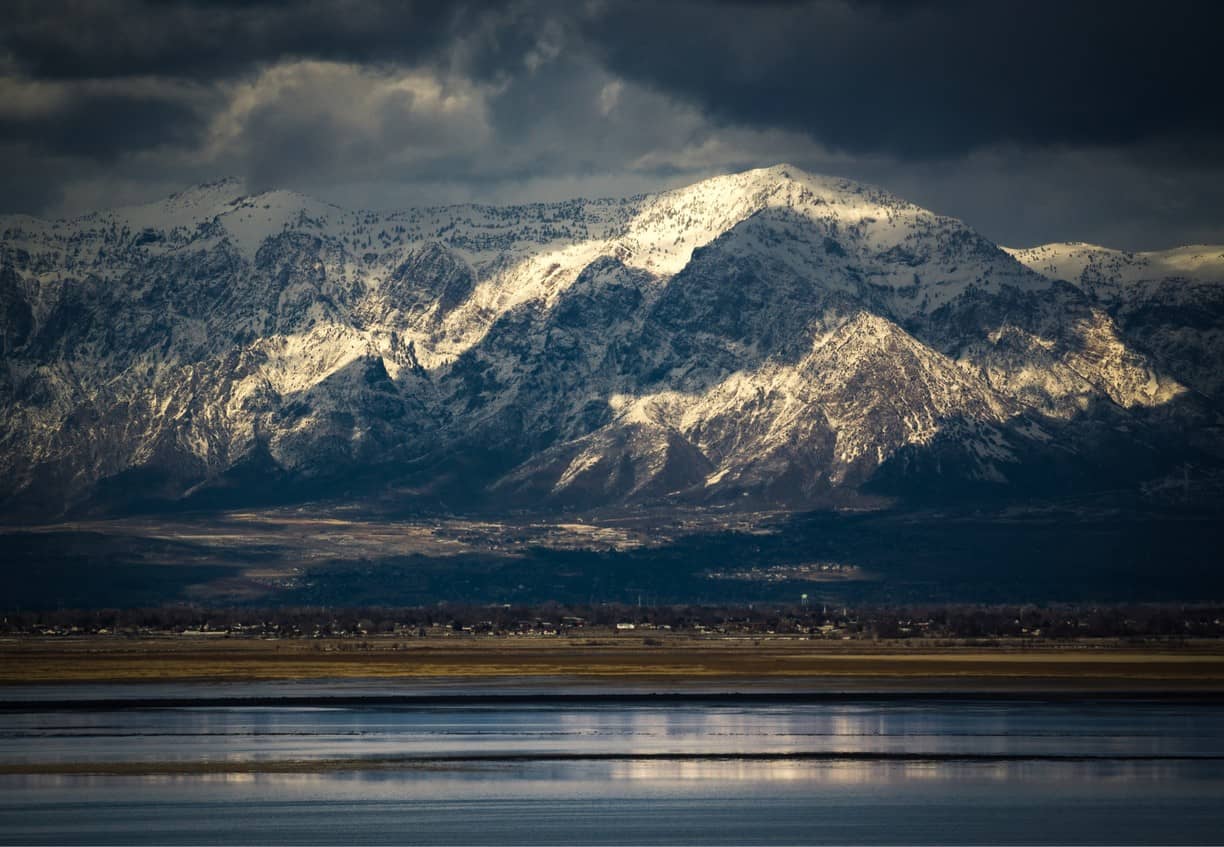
(555,771)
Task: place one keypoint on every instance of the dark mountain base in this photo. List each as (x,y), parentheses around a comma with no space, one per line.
(1057,553)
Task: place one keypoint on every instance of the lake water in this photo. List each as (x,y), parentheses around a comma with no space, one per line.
(552,769)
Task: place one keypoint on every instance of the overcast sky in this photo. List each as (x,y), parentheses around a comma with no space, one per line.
(1033,121)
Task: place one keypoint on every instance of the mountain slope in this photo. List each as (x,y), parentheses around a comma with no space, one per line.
(1169,303)
(765,336)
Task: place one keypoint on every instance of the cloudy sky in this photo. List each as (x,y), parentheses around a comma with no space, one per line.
(1034,121)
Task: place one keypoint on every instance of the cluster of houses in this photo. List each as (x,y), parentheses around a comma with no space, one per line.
(802,620)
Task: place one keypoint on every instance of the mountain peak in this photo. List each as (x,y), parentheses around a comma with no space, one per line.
(669,226)
(229,186)
(782,176)
(185,208)
(202,200)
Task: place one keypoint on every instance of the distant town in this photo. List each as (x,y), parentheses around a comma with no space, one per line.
(927,624)
(808,572)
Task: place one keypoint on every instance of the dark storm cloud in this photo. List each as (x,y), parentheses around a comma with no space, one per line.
(28,184)
(934,78)
(207,39)
(102,127)
(1032,120)
(918,78)
(209,47)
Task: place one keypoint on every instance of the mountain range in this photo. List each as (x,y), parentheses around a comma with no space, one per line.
(768,337)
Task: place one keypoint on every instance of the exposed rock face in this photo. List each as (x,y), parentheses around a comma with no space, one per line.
(1169,305)
(766,336)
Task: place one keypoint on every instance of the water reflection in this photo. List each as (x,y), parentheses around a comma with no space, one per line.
(884,773)
(657,801)
(241,735)
(656,774)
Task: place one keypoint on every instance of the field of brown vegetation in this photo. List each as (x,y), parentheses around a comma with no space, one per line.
(675,660)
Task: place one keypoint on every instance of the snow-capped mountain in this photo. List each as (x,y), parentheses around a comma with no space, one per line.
(1170,303)
(770,335)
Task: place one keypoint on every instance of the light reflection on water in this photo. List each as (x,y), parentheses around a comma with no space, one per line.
(637,796)
(263,734)
(627,802)
(659,772)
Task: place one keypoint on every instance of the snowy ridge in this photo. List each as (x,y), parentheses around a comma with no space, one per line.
(770,335)
(1088,263)
(1168,302)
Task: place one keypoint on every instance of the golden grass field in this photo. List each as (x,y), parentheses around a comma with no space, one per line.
(675,659)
